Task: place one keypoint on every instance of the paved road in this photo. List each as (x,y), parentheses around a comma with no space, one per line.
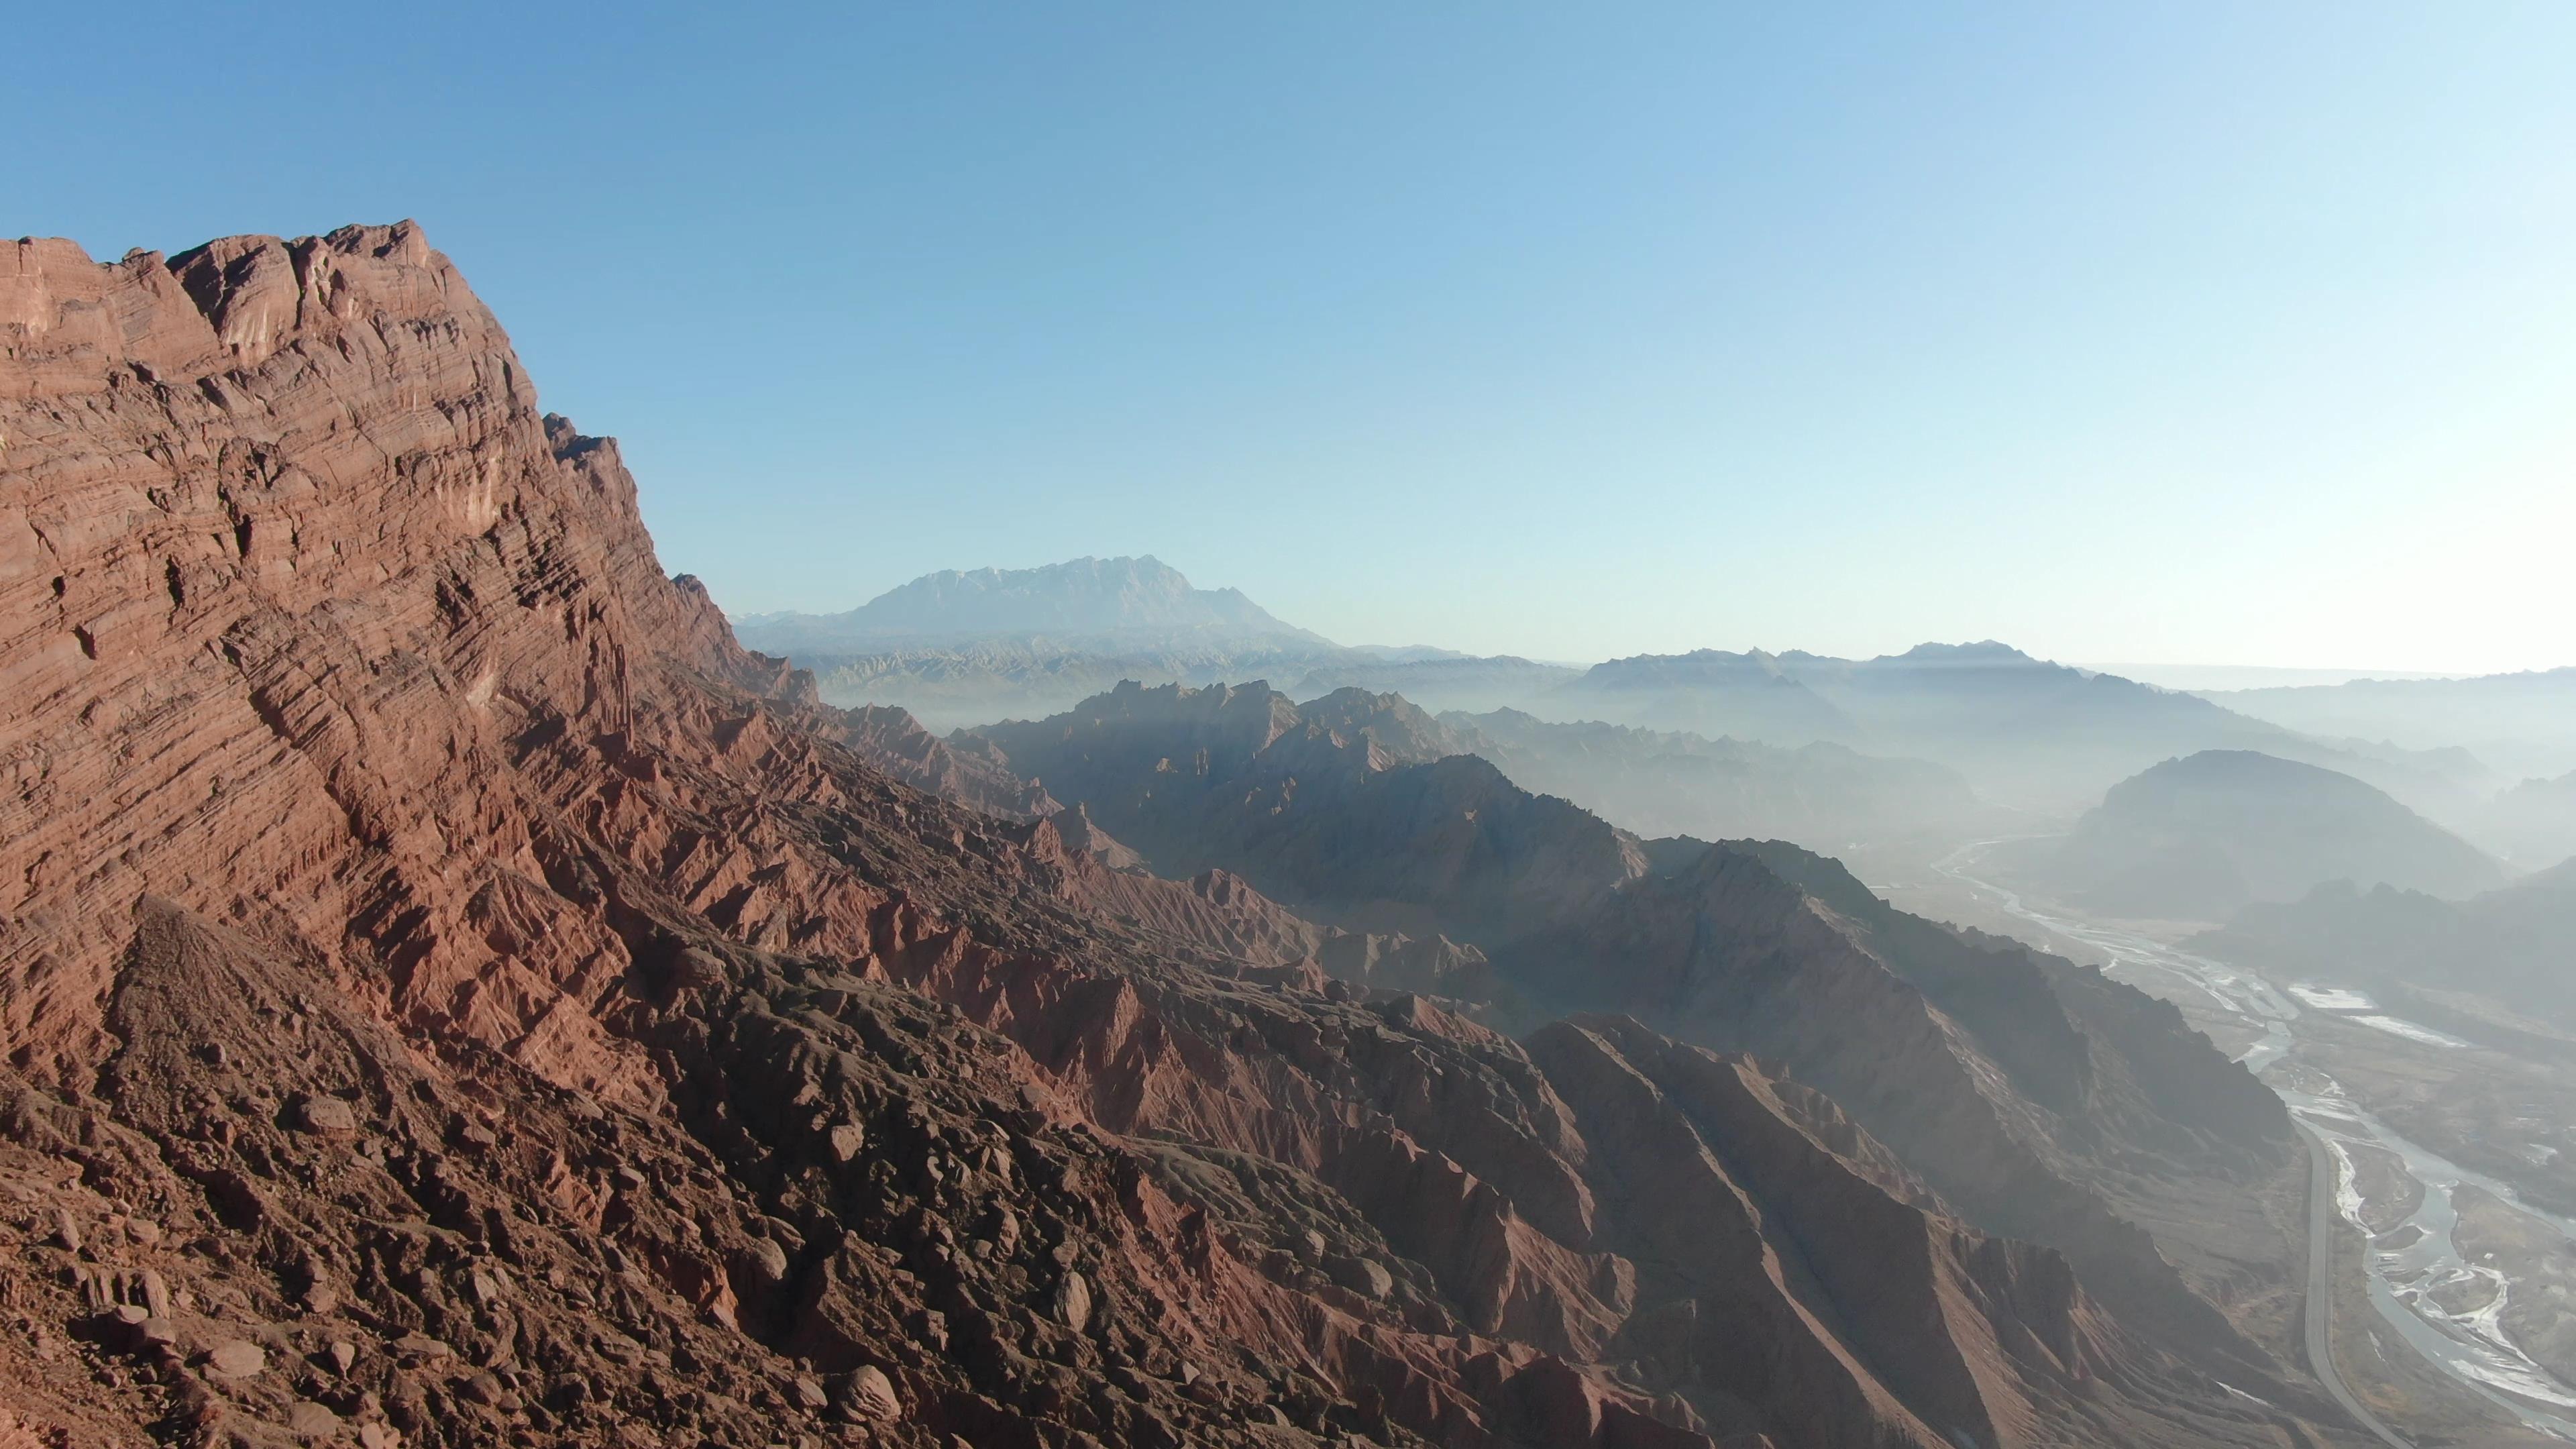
(2321,1236)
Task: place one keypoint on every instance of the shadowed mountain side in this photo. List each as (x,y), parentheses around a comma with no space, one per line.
(2029,1092)
(2512,946)
(2037,1093)
(2199,838)
(1215,777)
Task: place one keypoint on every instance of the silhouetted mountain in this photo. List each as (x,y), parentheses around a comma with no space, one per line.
(1095,604)
(2532,823)
(2198,838)
(1451,682)
(1659,783)
(2522,723)
(1706,692)
(2024,731)
(2513,946)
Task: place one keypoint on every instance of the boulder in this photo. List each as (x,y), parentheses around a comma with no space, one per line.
(326,1116)
(1072,1301)
(871,1396)
(235,1359)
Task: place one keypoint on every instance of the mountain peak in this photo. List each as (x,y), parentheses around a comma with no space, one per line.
(2203,835)
(1982,651)
(1127,602)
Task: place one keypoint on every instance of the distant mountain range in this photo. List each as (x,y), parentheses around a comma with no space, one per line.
(2202,837)
(1454,682)
(2534,823)
(965,648)
(2027,732)
(983,681)
(2203,678)
(1712,692)
(1659,783)
(1108,605)
(959,649)
(2510,946)
(2523,724)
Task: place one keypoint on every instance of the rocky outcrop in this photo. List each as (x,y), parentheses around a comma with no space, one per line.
(453,994)
(893,742)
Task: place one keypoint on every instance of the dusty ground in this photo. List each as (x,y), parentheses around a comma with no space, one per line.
(2418,1400)
(2510,1114)
(2388,1196)
(2539,1261)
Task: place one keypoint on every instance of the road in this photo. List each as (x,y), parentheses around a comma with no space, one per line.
(2320,1327)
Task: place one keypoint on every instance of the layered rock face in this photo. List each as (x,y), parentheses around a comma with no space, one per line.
(452,994)
(895,743)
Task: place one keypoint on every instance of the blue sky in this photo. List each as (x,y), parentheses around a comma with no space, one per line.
(2212,333)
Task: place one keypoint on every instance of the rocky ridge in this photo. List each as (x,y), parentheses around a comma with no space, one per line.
(2046,1102)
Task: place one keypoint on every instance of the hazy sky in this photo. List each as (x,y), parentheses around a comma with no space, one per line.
(2221,333)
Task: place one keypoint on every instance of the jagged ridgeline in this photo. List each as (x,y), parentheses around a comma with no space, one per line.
(453,994)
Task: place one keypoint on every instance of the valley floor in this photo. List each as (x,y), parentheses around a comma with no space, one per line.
(2454,1273)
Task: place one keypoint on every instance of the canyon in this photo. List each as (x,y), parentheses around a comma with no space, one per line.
(451,992)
